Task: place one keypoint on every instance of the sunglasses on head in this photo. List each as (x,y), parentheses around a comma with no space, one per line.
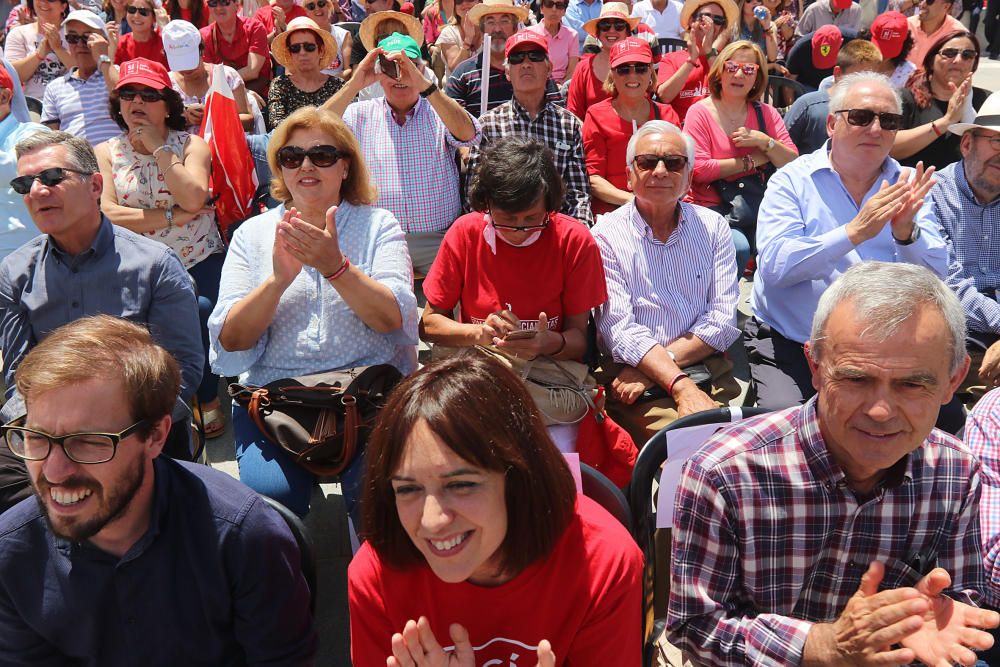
(308,46)
(864,117)
(557,5)
(733,67)
(533,56)
(967,54)
(220,3)
(291,157)
(141,11)
(313,5)
(147,94)
(72,38)
(605,25)
(671,162)
(714,18)
(49,177)
(638,68)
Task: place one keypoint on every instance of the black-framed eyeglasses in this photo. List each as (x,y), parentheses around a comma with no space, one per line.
(638,68)
(141,11)
(48,177)
(993,139)
(292,157)
(556,5)
(88,448)
(714,18)
(617,24)
(149,95)
(73,38)
(950,53)
(313,5)
(533,56)
(220,3)
(649,162)
(525,228)
(308,46)
(864,117)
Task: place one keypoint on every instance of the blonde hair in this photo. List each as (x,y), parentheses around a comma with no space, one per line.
(357,187)
(715,73)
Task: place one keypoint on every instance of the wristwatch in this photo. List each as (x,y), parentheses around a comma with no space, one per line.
(168,213)
(770,144)
(103,59)
(673,357)
(429,90)
(914,235)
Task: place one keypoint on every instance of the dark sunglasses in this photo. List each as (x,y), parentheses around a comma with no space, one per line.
(220,3)
(671,162)
(48,177)
(714,18)
(557,5)
(141,11)
(147,94)
(733,67)
(313,5)
(967,54)
(72,38)
(533,56)
(291,157)
(864,117)
(308,46)
(526,228)
(605,25)
(638,68)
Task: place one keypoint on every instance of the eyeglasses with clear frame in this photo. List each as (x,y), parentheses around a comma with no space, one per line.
(992,139)
(526,228)
(87,448)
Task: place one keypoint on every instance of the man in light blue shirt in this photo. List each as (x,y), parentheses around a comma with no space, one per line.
(846,203)
(578,13)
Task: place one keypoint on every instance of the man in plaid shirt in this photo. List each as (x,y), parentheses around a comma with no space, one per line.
(531,114)
(844,531)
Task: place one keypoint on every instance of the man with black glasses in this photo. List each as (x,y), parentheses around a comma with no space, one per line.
(531,114)
(125,557)
(846,203)
(83,265)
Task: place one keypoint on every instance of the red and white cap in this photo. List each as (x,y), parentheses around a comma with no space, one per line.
(525,37)
(144,72)
(889,31)
(630,50)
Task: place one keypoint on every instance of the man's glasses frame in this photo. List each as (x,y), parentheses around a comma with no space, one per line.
(297,47)
(649,162)
(73,38)
(888,121)
(992,139)
(70,443)
(518,57)
(50,177)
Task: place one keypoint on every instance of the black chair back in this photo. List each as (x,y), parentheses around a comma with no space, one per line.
(603,491)
(671,44)
(305,543)
(782,93)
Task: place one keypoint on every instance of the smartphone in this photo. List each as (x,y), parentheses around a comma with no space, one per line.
(521,334)
(390,68)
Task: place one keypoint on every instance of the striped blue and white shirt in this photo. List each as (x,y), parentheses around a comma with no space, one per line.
(80,106)
(972,232)
(658,291)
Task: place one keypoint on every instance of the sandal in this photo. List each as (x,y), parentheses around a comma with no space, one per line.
(214,422)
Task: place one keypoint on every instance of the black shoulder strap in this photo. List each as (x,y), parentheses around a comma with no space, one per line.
(761,123)
(656,112)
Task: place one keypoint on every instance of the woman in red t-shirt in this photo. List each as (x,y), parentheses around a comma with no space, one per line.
(587,85)
(610,124)
(192,11)
(144,40)
(474,527)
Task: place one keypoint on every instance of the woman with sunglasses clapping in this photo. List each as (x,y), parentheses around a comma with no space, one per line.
(938,95)
(144,40)
(304,50)
(322,282)
(156,184)
(611,123)
(730,141)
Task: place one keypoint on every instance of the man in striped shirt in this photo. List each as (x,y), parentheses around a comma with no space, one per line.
(670,268)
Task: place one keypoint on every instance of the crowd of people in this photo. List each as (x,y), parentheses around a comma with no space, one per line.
(560,200)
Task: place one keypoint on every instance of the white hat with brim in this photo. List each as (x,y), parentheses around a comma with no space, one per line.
(729,8)
(369,28)
(488,7)
(988,117)
(279,47)
(87,18)
(612,10)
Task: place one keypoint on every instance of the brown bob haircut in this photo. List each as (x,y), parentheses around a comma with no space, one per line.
(175,108)
(108,348)
(483,413)
(357,187)
(715,73)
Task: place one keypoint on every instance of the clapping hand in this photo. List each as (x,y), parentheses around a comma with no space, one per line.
(922,182)
(416,646)
(284,265)
(313,246)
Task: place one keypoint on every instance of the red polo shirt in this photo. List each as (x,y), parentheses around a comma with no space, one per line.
(250,37)
(266,15)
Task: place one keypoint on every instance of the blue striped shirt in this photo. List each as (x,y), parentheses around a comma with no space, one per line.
(972,232)
(658,291)
(80,106)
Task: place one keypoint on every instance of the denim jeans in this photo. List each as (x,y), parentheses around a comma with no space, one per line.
(206,275)
(742,251)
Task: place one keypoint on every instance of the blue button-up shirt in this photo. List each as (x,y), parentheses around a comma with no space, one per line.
(802,244)
(16,227)
(215,580)
(578,13)
(121,274)
(972,231)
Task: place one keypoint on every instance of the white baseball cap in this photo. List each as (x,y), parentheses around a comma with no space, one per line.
(87,18)
(181,41)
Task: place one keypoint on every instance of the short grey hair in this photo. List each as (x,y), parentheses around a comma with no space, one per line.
(659,127)
(887,294)
(840,89)
(79,152)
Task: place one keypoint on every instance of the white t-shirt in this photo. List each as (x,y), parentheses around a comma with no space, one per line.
(666,23)
(22,41)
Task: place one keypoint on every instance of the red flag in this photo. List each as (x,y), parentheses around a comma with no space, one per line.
(234,179)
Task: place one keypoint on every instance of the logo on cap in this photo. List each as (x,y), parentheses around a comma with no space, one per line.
(824,50)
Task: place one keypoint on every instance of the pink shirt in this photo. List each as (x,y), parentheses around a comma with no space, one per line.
(562,47)
(922,42)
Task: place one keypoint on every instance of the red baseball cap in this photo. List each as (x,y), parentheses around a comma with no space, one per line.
(5,80)
(826,45)
(630,50)
(889,31)
(144,72)
(519,39)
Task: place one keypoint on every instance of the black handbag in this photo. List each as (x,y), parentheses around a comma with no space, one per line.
(740,199)
(323,419)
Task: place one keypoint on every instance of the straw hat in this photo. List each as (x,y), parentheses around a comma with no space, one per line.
(988,117)
(369,27)
(488,7)
(279,47)
(729,8)
(612,10)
